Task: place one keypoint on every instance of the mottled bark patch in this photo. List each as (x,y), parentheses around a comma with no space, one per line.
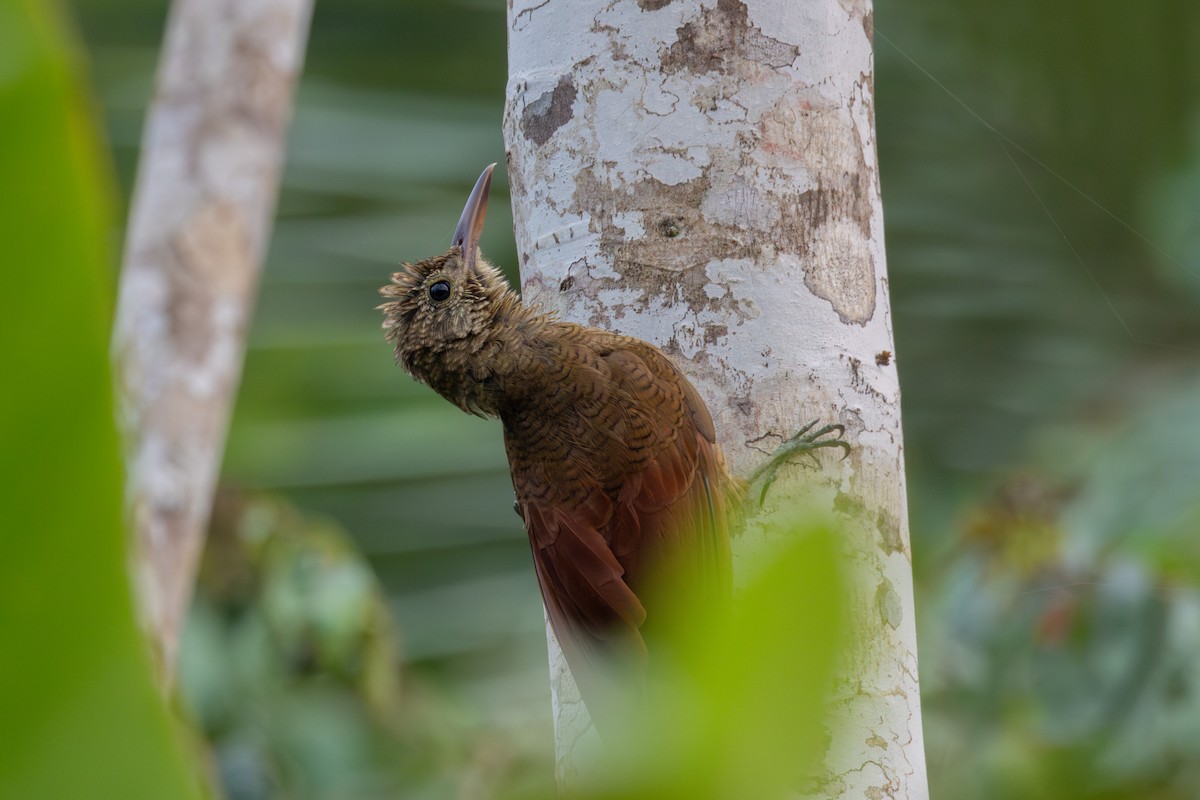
(854,8)
(839,269)
(829,225)
(667,260)
(891,540)
(653,5)
(720,38)
(211,258)
(190,316)
(548,113)
(866,94)
(848,504)
(714,332)
(888,604)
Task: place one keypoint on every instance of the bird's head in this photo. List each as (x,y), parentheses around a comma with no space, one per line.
(437,304)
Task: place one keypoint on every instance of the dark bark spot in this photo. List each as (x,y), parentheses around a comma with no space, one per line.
(653,5)
(818,206)
(722,36)
(190,315)
(847,504)
(548,113)
(889,531)
(888,603)
(861,382)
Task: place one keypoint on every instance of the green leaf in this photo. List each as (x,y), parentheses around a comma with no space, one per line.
(81,717)
(742,713)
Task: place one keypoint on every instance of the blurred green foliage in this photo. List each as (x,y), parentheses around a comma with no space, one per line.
(1025,292)
(291,671)
(741,708)
(79,714)
(1065,665)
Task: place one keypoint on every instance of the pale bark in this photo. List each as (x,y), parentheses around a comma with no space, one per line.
(704,176)
(212,154)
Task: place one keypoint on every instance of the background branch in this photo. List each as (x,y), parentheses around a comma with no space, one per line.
(213,150)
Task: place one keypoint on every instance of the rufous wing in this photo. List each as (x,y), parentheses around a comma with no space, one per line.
(657,501)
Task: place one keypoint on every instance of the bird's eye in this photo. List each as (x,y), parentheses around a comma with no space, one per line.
(439,291)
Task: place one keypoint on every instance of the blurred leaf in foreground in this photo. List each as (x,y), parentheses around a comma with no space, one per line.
(742,710)
(81,717)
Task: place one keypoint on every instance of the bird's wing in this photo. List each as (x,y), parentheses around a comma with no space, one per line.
(658,498)
(673,506)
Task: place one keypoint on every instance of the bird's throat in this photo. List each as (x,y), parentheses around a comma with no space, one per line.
(476,371)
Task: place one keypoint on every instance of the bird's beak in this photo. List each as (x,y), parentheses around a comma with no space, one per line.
(470,224)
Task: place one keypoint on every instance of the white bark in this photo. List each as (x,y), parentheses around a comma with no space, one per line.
(212,154)
(703,175)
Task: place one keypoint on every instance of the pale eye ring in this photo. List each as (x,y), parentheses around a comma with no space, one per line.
(440,291)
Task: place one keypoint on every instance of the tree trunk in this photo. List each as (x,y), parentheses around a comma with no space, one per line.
(212,154)
(703,176)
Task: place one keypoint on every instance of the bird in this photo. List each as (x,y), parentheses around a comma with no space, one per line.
(615,464)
